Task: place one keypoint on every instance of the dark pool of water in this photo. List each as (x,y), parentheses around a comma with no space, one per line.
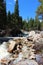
(5,39)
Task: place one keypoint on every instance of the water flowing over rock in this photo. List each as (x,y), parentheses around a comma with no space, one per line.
(3,50)
(22,51)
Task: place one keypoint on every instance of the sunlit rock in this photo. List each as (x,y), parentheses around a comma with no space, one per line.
(39,59)
(11,45)
(27,62)
(31,33)
(38,44)
(41,34)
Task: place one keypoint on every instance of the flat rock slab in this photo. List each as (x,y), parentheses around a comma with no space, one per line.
(39,58)
(27,62)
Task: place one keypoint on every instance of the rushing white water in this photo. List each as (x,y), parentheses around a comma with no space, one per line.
(20,56)
(3,51)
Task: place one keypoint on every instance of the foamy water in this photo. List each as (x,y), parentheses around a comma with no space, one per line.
(5,54)
(20,56)
(3,50)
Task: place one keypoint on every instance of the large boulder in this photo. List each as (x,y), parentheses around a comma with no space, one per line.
(32,33)
(14,46)
(11,45)
(34,37)
(38,45)
(31,36)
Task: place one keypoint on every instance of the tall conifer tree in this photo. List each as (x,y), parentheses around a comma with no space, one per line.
(2,14)
(16,13)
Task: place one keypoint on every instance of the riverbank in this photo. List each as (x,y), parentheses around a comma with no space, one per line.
(23,50)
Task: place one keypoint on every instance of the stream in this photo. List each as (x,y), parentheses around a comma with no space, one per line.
(39,56)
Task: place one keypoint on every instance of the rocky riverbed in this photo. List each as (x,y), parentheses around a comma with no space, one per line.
(23,50)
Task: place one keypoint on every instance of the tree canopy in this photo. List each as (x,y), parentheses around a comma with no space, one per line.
(40,9)
(2,14)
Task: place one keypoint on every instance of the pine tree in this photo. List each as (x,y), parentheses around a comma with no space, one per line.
(31,23)
(18,19)
(40,9)
(37,24)
(2,14)
(9,19)
(16,14)
(17,9)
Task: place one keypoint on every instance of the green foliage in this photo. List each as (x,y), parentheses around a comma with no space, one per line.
(16,9)
(17,19)
(31,24)
(14,20)
(41,1)
(16,13)
(42,25)
(9,19)
(36,24)
(25,25)
(3,14)
(40,10)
